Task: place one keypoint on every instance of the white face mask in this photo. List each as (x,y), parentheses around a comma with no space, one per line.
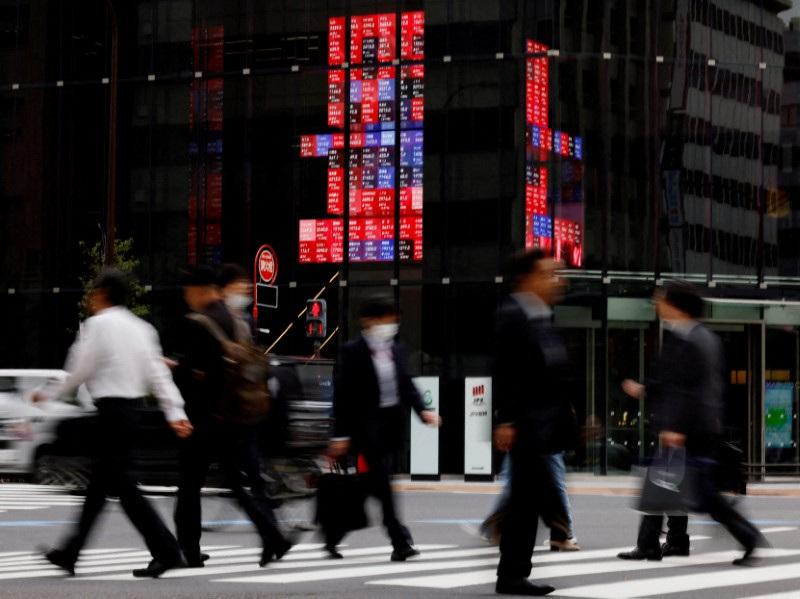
(238,302)
(384,332)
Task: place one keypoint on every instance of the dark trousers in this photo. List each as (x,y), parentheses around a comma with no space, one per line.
(111,475)
(380,453)
(650,531)
(532,495)
(224,442)
(378,484)
(555,510)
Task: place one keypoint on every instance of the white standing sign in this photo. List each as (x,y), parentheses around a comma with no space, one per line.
(424,438)
(478,425)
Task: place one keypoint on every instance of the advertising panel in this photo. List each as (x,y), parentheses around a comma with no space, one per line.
(424,438)
(478,426)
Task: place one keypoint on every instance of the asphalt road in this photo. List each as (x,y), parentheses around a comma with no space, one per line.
(453,563)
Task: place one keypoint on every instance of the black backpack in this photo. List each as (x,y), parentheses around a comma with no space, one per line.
(245,398)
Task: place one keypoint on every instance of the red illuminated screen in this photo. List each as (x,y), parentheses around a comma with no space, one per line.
(553,215)
(383,152)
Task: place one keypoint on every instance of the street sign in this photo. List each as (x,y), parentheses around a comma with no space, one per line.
(267,264)
(265,270)
(266,295)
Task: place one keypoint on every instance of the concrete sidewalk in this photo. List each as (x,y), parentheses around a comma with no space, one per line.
(587,484)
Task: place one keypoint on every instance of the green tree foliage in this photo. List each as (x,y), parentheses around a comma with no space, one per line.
(94,260)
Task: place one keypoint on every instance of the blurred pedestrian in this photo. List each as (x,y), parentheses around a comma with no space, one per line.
(534,419)
(685,393)
(237,293)
(560,523)
(372,389)
(236,288)
(119,358)
(201,377)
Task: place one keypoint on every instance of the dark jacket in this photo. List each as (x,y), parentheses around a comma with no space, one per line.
(356,398)
(686,387)
(200,374)
(530,381)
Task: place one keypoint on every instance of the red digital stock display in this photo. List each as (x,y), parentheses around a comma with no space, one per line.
(553,170)
(383,99)
(204,227)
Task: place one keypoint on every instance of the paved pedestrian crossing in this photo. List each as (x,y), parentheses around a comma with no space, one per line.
(22,496)
(445,568)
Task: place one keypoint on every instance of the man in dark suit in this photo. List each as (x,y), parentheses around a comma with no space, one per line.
(200,376)
(685,392)
(372,389)
(533,416)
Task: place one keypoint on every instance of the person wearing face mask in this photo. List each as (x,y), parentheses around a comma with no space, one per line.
(372,390)
(200,376)
(237,293)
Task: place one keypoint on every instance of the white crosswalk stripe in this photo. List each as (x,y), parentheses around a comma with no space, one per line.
(441,568)
(25,497)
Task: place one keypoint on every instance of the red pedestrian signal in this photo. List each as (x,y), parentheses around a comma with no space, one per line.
(316,319)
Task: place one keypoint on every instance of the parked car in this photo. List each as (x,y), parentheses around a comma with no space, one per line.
(27,430)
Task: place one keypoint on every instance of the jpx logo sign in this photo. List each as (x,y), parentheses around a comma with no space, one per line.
(478,395)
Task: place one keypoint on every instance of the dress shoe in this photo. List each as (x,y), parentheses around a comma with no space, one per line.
(667,550)
(197,561)
(283,548)
(156,568)
(332,553)
(59,558)
(567,545)
(651,555)
(750,558)
(507,585)
(269,554)
(403,553)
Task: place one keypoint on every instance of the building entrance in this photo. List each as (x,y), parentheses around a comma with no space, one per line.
(761,369)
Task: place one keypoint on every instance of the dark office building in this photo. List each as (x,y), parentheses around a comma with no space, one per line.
(409,147)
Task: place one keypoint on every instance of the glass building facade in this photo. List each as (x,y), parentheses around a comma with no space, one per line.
(409,147)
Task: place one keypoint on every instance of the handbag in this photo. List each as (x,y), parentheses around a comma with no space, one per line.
(340,504)
(670,484)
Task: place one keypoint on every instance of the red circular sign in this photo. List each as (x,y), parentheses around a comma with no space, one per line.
(267,265)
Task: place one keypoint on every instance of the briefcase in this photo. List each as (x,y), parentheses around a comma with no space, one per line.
(340,504)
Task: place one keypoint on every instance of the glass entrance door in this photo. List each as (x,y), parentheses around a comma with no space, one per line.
(743,343)
(782,355)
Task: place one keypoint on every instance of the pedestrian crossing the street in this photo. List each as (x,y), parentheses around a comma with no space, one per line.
(443,568)
(22,496)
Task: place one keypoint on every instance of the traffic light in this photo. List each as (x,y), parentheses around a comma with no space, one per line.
(316,319)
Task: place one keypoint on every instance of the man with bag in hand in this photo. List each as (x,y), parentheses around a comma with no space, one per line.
(685,393)
(202,377)
(372,389)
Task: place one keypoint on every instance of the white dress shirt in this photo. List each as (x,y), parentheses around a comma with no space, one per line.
(385,369)
(118,354)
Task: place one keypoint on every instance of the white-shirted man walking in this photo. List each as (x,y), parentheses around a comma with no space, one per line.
(118,356)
